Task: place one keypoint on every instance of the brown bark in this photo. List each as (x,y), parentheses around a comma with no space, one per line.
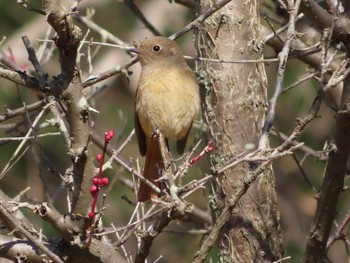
(234,97)
(333,183)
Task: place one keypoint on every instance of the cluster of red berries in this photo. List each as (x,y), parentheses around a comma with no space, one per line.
(98,182)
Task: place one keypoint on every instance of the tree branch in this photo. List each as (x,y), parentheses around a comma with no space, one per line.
(23,250)
(28,235)
(323,19)
(332,184)
(20,78)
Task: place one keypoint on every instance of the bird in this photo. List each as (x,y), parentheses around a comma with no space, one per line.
(167,99)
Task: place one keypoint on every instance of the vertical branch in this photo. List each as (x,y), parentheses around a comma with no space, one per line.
(234,104)
(283,56)
(332,184)
(69,86)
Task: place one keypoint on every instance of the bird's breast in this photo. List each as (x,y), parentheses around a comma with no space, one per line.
(167,100)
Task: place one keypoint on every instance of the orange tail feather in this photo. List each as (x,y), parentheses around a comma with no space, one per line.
(152,170)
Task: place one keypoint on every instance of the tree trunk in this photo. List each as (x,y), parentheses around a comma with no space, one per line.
(234,104)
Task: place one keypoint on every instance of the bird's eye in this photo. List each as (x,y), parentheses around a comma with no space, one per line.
(156,48)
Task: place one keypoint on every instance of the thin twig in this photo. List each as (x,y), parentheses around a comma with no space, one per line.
(215,7)
(299,81)
(320,155)
(133,7)
(282,29)
(283,56)
(11,139)
(35,62)
(23,142)
(123,163)
(13,113)
(96,28)
(339,231)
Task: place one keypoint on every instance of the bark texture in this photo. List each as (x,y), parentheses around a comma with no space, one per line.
(234,104)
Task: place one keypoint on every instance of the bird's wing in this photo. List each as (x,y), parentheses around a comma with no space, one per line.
(140,134)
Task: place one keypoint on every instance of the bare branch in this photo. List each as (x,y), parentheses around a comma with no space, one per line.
(28,235)
(19,78)
(133,7)
(19,249)
(35,62)
(20,111)
(283,56)
(332,185)
(216,6)
(323,19)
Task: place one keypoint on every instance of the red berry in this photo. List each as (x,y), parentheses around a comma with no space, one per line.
(95,181)
(104,181)
(109,135)
(210,148)
(99,157)
(91,215)
(93,190)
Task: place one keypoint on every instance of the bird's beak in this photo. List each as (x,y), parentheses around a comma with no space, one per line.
(133,50)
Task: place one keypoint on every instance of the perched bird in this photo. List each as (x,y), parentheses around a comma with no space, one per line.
(167,99)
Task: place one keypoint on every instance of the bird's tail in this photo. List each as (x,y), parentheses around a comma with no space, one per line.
(154,166)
